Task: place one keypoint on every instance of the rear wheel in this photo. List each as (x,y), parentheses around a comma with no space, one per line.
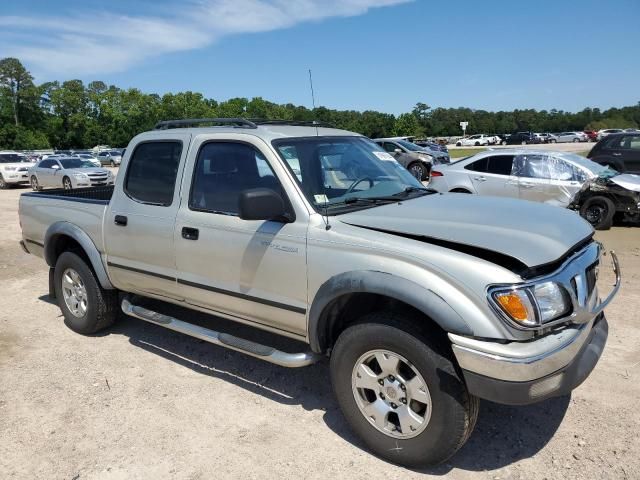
(576,140)
(418,170)
(66,183)
(86,306)
(400,392)
(113,164)
(599,212)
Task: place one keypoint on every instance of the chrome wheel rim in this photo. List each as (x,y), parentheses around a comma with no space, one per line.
(66,184)
(416,171)
(74,293)
(34,183)
(391,394)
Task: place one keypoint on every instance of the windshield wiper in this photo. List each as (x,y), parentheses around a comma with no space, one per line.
(409,190)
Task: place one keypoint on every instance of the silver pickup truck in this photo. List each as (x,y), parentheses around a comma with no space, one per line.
(423,302)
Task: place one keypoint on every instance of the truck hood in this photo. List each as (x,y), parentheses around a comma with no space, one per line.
(534,234)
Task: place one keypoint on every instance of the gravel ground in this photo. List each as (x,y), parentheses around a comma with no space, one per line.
(142,402)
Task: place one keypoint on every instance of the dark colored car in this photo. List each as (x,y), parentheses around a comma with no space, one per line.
(521,138)
(606,196)
(620,151)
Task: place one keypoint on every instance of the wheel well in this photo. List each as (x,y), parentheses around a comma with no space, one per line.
(348,309)
(64,243)
(459,190)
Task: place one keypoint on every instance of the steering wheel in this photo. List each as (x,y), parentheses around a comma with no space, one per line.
(357,182)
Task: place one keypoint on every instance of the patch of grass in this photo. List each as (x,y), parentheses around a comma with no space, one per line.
(464,152)
(584,154)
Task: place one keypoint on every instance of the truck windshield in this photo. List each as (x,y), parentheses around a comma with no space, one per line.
(346,172)
(75,163)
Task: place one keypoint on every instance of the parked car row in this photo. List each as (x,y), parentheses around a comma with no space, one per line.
(600,187)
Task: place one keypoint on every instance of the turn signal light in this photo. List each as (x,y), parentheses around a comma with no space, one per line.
(436,173)
(512,304)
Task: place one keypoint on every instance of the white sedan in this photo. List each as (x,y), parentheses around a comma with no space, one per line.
(477,140)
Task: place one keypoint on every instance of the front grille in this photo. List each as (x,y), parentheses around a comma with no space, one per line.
(592,277)
(23,169)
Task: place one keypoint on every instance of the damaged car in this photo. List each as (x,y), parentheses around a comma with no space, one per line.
(607,196)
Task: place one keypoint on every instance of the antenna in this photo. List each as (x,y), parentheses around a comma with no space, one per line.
(324,187)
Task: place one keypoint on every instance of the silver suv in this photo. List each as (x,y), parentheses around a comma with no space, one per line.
(423,303)
(418,160)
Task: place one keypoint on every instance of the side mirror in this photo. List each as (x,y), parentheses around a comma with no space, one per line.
(55,167)
(262,204)
(397,151)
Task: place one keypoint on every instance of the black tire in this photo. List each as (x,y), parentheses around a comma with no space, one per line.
(35,186)
(102,305)
(418,170)
(599,212)
(66,183)
(454,410)
(576,140)
(3,184)
(477,144)
(553,141)
(113,164)
(458,144)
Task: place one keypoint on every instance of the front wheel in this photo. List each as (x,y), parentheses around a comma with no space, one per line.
(113,164)
(552,141)
(400,392)
(599,212)
(66,183)
(35,186)
(576,140)
(3,184)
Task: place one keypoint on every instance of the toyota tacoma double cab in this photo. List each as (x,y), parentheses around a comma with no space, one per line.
(423,302)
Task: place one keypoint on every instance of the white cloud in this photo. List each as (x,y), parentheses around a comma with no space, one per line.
(92,43)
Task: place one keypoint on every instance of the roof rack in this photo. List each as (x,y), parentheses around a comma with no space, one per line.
(192,122)
(293,123)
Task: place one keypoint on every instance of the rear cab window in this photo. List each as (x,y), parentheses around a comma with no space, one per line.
(152,171)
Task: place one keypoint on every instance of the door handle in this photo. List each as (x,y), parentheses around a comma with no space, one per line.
(616,154)
(189,233)
(526,185)
(120,220)
(480,179)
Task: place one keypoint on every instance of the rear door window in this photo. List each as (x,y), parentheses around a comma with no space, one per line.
(152,171)
(500,164)
(478,165)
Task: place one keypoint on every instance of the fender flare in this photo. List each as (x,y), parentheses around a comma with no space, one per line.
(371,281)
(73,231)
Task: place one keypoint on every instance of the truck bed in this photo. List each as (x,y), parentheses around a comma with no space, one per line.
(99,195)
(83,208)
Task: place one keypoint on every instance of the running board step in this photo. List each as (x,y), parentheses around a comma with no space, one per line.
(263,352)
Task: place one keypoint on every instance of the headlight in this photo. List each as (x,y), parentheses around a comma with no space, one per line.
(426,158)
(80,176)
(533,306)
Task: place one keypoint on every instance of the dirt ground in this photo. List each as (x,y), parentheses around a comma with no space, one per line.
(143,402)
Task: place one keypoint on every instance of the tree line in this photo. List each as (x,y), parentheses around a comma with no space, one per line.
(71,114)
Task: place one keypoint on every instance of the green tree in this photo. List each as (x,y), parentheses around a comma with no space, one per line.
(16,84)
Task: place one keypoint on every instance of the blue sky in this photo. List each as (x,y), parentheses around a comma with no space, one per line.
(365,54)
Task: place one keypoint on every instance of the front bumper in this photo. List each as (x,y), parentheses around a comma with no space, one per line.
(15,178)
(518,373)
(560,382)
